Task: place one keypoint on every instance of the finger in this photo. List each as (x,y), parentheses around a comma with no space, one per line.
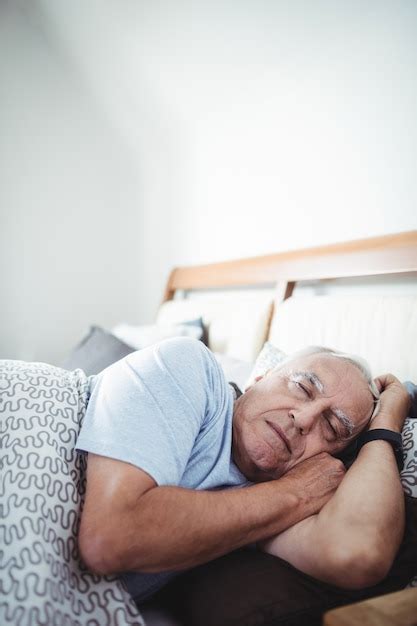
(379,383)
(383,381)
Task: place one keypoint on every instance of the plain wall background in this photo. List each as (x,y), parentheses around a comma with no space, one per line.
(139,135)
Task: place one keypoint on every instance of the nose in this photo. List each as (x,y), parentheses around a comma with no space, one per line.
(306,417)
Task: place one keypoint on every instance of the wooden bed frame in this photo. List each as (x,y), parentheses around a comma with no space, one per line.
(394,609)
(378,256)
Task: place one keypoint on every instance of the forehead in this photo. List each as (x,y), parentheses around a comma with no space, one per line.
(329,370)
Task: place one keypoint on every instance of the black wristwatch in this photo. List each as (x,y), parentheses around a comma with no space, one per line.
(391,436)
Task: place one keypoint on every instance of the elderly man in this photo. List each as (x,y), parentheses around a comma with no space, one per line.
(169,444)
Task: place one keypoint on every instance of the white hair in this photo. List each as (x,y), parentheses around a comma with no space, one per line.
(360,363)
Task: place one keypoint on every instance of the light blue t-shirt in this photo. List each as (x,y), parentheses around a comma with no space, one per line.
(168,410)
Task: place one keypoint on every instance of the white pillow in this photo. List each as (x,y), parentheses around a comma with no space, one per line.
(235,370)
(145,335)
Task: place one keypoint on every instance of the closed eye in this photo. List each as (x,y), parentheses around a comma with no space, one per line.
(303,388)
(334,431)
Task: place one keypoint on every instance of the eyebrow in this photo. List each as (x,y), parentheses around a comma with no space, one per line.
(346,422)
(311,377)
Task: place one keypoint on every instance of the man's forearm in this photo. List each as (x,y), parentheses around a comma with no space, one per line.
(353,540)
(177,528)
(368,507)
(365,518)
(171,528)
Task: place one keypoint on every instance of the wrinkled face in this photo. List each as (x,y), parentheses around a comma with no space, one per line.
(316,403)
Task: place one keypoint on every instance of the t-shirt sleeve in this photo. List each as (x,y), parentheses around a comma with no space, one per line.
(148,408)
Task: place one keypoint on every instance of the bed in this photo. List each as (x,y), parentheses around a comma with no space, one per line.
(359,297)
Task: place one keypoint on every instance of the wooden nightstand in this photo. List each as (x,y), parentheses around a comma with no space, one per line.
(394,609)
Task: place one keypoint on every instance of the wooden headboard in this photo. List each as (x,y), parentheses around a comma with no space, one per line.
(376,256)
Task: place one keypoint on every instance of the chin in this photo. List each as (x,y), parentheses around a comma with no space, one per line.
(258,461)
(261,470)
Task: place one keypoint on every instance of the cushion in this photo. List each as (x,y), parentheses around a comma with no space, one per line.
(269,357)
(237,321)
(409,472)
(235,370)
(380,328)
(145,335)
(96,351)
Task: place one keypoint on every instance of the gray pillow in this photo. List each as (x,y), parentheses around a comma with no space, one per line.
(96,351)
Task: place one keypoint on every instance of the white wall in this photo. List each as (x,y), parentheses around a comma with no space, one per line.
(71,200)
(193,131)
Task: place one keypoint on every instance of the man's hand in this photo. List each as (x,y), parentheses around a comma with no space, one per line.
(315,480)
(395,404)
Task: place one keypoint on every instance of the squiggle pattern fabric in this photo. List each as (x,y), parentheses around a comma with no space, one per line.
(409,473)
(42,486)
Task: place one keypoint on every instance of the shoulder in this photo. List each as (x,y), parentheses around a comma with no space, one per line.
(182,366)
(177,357)
(184,348)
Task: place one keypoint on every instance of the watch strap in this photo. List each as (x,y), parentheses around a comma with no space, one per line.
(394,438)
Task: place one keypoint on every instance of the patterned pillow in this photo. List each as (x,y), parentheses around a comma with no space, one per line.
(269,357)
(409,473)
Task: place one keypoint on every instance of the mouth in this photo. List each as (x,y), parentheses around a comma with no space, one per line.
(280,434)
